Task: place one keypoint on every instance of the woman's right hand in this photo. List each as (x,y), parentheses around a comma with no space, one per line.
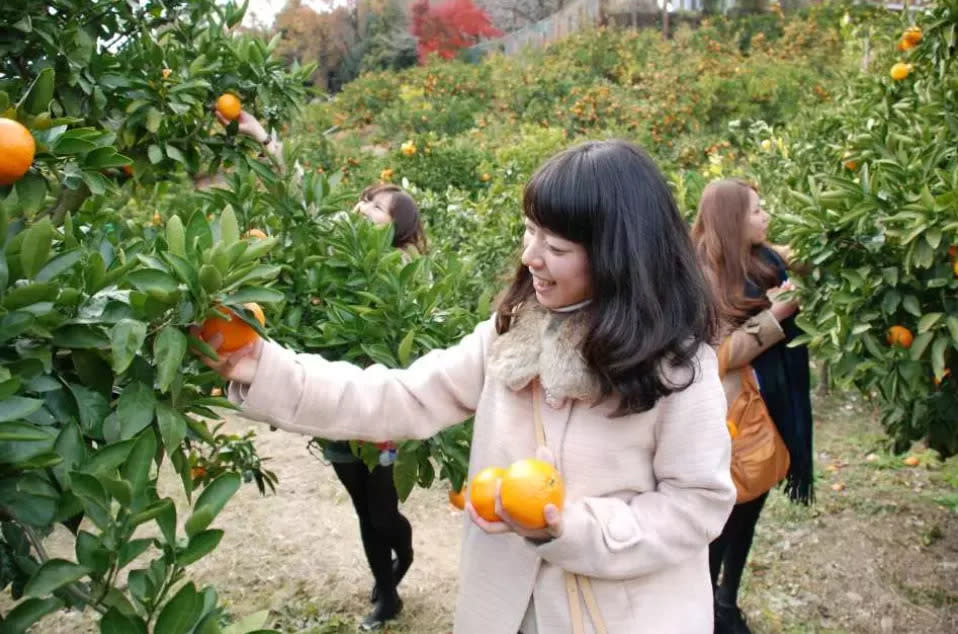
(239,365)
(782,310)
(248,125)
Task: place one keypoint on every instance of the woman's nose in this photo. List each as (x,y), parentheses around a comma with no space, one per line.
(530,255)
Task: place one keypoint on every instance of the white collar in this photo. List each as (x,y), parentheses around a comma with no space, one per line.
(572,307)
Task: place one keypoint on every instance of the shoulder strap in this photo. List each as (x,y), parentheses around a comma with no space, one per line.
(573,582)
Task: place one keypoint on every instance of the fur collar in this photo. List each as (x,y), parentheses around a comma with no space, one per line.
(545,344)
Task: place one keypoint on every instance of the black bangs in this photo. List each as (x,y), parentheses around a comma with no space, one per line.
(563,196)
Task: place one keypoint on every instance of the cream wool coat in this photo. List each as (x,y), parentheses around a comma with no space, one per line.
(645,493)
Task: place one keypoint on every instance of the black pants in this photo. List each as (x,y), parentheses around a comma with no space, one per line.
(729,552)
(382,527)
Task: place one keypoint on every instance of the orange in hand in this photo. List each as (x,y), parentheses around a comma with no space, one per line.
(527,487)
(229,106)
(482,492)
(236,332)
(17,148)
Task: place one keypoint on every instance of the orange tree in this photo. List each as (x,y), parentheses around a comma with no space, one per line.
(871,186)
(97,389)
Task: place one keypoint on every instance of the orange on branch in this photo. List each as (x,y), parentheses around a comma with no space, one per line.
(17,149)
(458,498)
(229,106)
(236,332)
(899,336)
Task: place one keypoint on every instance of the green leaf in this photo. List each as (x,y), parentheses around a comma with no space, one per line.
(169,349)
(910,304)
(91,553)
(126,338)
(201,544)
(147,280)
(405,347)
(166,520)
(92,407)
(135,409)
(137,467)
(211,501)
(172,426)
(131,550)
(119,490)
(938,349)
(952,323)
(15,323)
(31,192)
(60,264)
(35,248)
(154,153)
(405,473)
(155,510)
(28,612)
(921,342)
(927,321)
(38,97)
(17,407)
(229,228)
(251,294)
(113,622)
(175,154)
(53,574)
(181,613)
(176,236)
(109,457)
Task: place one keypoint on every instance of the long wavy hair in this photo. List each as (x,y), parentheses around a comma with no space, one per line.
(724,251)
(650,305)
(407,223)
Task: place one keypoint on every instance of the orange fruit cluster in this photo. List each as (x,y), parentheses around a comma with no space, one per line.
(527,486)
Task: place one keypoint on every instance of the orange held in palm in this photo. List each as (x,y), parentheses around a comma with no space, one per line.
(458,499)
(229,106)
(528,486)
(482,492)
(899,336)
(236,332)
(17,148)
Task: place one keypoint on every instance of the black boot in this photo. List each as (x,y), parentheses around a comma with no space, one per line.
(387,608)
(729,619)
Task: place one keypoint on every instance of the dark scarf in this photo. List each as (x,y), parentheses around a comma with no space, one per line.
(783,376)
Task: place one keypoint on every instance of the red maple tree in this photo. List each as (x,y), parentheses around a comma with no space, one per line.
(448,27)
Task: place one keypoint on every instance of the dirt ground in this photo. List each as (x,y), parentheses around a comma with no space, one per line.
(876,553)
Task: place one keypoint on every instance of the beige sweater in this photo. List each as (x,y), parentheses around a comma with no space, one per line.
(645,493)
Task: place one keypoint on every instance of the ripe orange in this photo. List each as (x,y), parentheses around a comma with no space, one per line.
(953,251)
(911,461)
(900,71)
(482,492)
(166,73)
(527,487)
(912,35)
(236,332)
(851,165)
(954,267)
(256,233)
(128,170)
(899,336)
(904,45)
(157,219)
(229,106)
(17,148)
(458,499)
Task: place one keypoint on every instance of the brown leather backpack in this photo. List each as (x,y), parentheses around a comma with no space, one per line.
(760,458)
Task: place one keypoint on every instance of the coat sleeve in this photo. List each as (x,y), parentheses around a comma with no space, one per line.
(751,339)
(306,394)
(622,538)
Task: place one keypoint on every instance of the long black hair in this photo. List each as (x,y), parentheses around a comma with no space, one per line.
(650,302)
(407,223)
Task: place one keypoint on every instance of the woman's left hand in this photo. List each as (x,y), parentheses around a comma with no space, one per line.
(553,515)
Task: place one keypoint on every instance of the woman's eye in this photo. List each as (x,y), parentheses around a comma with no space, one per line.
(556,250)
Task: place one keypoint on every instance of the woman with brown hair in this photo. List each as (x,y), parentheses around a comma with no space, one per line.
(748,274)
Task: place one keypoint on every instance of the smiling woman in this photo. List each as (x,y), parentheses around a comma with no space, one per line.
(608,322)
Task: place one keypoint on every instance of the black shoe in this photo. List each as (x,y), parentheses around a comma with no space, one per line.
(729,619)
(385,610)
